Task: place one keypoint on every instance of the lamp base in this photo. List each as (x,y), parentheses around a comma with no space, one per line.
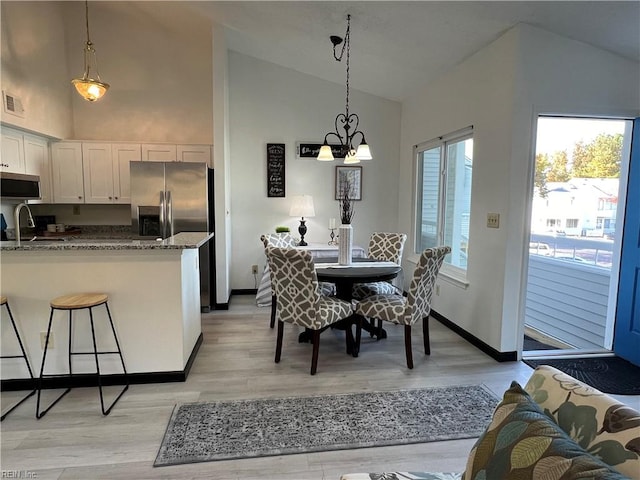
(302,230)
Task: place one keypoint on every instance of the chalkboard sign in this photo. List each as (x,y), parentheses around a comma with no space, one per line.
(275,170)
(311,150)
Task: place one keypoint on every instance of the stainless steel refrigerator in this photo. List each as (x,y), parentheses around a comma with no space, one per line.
(173,197)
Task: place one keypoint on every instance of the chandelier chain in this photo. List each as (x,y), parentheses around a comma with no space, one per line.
(86,16)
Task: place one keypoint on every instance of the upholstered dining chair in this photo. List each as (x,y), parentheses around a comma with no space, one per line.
(388,247)
(286,240)
(281,240)
(299,299)
(408,310)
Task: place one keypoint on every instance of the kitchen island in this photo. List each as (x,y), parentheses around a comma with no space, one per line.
(154,298)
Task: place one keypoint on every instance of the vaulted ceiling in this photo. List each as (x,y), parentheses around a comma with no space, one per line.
(399,46)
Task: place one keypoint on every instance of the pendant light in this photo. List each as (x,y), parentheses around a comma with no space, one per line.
(89,88)
(345,121)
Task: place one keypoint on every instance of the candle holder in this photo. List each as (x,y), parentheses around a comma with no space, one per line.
(333,236)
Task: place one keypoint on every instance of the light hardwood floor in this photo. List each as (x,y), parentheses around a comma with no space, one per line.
(75,441)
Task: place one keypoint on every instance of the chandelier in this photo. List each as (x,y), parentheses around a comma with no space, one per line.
(348,122)
(89,88)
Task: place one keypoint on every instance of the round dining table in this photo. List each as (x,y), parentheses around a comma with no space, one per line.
(361,270)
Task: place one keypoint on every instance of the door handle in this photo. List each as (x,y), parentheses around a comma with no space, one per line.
(169,214)
(162,216)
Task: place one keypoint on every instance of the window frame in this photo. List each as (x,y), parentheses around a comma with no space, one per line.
(457,275)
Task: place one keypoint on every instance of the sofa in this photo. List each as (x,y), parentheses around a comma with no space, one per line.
(555,428)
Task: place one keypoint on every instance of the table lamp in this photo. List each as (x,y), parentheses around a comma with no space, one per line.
(302,206)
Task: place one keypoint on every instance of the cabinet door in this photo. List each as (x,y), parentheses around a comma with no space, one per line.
(66,172)
(194,153)
(122,154)
(12,151)
(158,152)
(36,161)
(97,172)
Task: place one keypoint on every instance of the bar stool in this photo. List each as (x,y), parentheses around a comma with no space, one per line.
(73,303)
(5,302)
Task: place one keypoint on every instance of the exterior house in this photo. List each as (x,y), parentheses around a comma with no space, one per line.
(580,207)
(182,84)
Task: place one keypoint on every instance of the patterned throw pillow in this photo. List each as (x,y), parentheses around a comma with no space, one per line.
(523,443)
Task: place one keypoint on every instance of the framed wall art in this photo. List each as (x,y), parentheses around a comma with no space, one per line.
(348,178)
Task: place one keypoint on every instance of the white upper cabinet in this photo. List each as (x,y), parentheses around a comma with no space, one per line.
(161,152)
(36,162)
(194,153)
(97,169)
(158,152)
(122,155)
(106,171)
(12,151)
(27,153)
(66,172)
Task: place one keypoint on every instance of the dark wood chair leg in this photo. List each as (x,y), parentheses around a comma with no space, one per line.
(279,341)
(379,330)
(407,345)
(372,327)
(273,311)
(425,335)
(316,348)
(358,321)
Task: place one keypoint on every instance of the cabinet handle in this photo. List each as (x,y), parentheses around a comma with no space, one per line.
(110,198)
(79,197)
(116,198)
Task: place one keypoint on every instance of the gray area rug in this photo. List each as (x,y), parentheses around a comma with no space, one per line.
(202,432)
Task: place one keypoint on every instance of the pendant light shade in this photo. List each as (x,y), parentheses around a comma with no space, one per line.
(91,89)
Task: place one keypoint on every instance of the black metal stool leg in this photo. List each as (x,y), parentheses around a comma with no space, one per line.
(40,414)
(24,355)
(96,353)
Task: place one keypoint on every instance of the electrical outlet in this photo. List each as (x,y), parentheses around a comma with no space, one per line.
(76,209)
(254,269)
(43,339)
(493,220)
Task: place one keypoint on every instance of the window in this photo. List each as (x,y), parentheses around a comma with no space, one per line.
(572,223)
(444,194)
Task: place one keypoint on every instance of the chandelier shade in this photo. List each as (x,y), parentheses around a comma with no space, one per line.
(346,124)
(89,88)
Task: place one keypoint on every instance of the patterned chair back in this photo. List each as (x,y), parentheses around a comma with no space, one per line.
(387,246)
(424,279)
(281,240)
(295,284)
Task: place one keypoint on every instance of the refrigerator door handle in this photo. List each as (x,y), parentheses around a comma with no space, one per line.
(169,215)
(162,215)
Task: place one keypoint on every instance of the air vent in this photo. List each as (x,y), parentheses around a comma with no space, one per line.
(12,104)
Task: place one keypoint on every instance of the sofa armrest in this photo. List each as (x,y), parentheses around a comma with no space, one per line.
(597,422)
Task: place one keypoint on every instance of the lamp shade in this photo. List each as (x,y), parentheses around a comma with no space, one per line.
(325,154)
(363,152)
(302,206)
(90,89)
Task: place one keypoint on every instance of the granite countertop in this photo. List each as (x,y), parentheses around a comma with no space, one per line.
(179,241)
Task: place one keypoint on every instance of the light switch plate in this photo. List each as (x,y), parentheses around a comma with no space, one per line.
(493,220)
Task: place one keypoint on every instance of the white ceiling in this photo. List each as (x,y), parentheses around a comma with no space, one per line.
(399,46)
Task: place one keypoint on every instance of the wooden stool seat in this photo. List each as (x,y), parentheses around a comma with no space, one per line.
(3,299)
(78,301)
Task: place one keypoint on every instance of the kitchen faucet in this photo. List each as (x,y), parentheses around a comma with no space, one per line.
(16,217)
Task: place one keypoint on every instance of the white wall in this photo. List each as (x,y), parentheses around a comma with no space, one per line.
(498,91)
(160,77)
(271,104)
(34,67)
